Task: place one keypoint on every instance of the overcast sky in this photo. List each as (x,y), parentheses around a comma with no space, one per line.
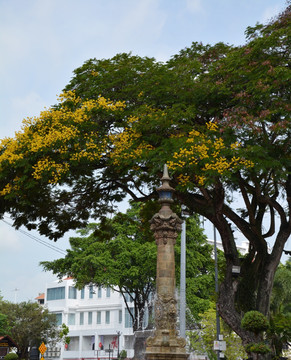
(43,41)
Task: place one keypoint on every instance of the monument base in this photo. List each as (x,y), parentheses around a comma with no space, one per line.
(166,345)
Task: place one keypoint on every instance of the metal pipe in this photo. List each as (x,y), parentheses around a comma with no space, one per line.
(183,282)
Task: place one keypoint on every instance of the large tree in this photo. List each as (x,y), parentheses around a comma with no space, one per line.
(29,324)
(120,252)
(218,115)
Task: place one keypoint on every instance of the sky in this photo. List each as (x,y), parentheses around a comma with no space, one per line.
(43,41)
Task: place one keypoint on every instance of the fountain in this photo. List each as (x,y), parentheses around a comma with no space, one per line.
(165,344)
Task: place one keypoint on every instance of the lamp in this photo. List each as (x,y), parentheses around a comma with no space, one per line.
(165,191)
(235,270)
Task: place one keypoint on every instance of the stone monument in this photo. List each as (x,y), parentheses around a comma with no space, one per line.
(165,344)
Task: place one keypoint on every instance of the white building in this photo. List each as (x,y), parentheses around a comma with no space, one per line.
(243,248)
(98,320)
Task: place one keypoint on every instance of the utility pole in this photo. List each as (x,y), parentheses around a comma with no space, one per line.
(183,278)
(216,290)
(15,295)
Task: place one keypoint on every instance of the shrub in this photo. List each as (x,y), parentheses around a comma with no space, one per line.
(11,356)
(254,321)
(122,355)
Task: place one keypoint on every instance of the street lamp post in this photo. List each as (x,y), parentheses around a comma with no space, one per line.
(216,290)
(183,279)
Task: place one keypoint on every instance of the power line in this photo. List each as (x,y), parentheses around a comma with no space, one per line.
(40,241)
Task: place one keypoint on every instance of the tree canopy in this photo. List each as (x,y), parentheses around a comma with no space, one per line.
(120,252)
(28,324)
(217,115)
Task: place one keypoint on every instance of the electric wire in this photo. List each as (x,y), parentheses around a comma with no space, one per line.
(40,241)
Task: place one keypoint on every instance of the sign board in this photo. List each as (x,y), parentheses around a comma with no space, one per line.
(42,348)
(219,345)
(222,345)
(216,345)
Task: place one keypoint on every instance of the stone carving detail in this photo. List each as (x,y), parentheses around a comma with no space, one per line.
(181,342)
(166,229)
(165,312)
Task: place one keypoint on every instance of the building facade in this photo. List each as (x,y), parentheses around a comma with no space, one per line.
(99,322)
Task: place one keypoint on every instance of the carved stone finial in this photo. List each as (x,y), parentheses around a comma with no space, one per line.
(166,173)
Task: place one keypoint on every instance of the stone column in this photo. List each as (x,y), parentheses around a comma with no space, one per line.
(165,344)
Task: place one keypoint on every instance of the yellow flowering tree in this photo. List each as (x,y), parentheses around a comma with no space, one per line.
(219,116)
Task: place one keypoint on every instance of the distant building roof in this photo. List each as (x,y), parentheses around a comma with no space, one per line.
(40,297)
(68,278)
(9,340)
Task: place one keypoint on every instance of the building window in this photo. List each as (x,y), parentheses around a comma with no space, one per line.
(108,291)
(120,317)
(107,317)
(81,318)
(56,293)
(99,291)
(128,318)
(91,292)
(98,317)
(71,319)
(90,317)
(72,292)
(59,318)
(83,293)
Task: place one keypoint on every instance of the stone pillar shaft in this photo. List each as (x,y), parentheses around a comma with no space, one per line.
(166,282)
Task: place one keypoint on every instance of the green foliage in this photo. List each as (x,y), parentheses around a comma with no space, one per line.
(29,324)
(280,319)
(123,354)
(279,333)
(64,331)
(4,326)
(199,268)
(258,348)
(201,339)
(254,321)
(11,356)
(281,293)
